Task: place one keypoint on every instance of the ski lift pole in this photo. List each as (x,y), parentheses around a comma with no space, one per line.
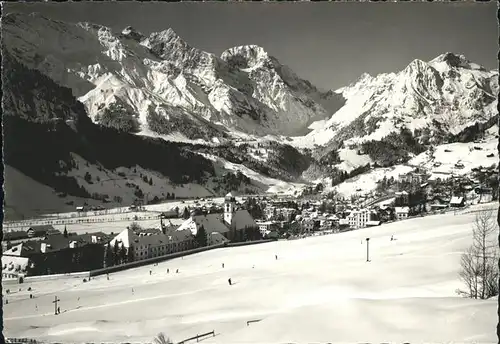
(55,304)
(367,249)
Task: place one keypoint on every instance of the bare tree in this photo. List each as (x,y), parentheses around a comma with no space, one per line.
(135,226)
(161,339)
(480,270)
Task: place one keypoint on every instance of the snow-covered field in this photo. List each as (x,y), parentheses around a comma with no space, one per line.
(270,185)
(367,182)
(321,289)
(446,156)
(442,164)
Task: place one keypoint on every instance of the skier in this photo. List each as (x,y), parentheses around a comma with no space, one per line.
(107,276)
(31,296)
(36,307)
(276,256)
(58,310)
(132,290)
(149,272)
(168,271)
(177,271)
(392,237)
(229,281)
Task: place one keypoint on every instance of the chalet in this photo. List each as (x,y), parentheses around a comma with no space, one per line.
(485,194)
(457,202)
(265,226)
(14,267)
(344,224)
(402,212)
(373,223)
(41,231)
(308,224)
(437,203)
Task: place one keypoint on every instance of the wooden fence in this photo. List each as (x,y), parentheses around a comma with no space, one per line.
(252,321)
(198,336)
(80,220)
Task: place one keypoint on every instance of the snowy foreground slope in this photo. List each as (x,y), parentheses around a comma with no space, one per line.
(319,290)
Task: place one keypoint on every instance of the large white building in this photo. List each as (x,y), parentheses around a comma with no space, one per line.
(359,218)
(149,243)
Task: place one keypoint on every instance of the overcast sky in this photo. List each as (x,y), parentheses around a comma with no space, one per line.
(330,44)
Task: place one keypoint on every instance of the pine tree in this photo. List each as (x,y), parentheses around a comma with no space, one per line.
(130,254)
(65,233)
(123,254)
(201,237)
(116,256)
(186,214)
(108,256)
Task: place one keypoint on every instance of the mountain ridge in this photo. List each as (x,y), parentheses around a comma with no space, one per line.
(162,70)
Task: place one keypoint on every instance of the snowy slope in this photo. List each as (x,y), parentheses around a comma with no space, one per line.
(402,295)
(263,183)
(443,96)
(244,90)
(465,153)
(442,161)
(20,201)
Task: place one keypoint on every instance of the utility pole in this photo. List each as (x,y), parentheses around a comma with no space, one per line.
(55,304)
(367,249)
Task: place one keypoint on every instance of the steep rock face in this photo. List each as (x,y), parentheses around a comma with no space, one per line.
(295,102)
(244,90)
(435,100)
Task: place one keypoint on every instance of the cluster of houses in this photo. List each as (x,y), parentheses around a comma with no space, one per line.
(424,195)
(43,250)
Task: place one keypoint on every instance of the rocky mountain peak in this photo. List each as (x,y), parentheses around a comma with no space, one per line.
(131,33)
(246,56)
(452,60)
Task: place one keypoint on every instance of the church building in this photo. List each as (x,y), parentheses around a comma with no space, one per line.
(231,224)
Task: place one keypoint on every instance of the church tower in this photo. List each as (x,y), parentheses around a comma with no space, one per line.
(229,208)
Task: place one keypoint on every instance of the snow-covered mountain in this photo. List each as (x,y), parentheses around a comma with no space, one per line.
(169,86)
(435,100)
(243,109)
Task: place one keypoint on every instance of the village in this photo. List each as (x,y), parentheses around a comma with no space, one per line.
(191,224)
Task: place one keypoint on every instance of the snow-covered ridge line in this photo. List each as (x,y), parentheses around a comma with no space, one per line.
(445,96)
(244,90)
